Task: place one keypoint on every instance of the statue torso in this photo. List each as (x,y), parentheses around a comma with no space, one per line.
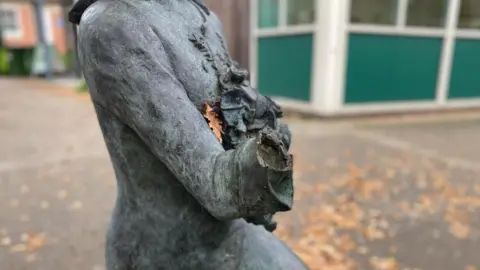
(195,40)
(155,219)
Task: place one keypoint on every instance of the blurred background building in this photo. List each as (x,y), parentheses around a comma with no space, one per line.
(20,36)
(367,55)
(328,57)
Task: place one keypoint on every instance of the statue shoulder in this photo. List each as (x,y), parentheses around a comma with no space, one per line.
(108,16)
(96,13)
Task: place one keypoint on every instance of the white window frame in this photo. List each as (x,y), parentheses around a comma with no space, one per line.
(18,31)
(466,32)
(400,27)
(331,31)
(448,34)
(282,28)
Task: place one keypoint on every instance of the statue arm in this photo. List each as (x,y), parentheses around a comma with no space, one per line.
(130,74)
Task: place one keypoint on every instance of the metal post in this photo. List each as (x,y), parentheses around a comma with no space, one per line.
(42,41)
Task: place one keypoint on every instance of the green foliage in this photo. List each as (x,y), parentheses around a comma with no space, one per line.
(68,59)
(83,87)
(3,61)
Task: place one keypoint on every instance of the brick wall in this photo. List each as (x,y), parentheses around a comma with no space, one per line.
(26,35)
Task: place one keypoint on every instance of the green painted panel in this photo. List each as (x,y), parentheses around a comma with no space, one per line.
(284,66)
(267,13)
(464,80)
(392,68)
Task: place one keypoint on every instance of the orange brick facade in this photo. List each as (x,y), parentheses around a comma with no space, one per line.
(26,34)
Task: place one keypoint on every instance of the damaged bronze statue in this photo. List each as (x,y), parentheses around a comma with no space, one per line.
(183,198)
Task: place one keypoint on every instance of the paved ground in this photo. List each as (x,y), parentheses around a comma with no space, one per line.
(382,195)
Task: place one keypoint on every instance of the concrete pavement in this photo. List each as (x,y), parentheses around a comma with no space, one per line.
(397,195)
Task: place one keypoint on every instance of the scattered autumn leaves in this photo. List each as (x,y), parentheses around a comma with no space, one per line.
(342,225)
(384,263)
(28,243)
(329,229)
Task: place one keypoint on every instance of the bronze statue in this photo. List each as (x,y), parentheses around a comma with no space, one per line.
(185,198)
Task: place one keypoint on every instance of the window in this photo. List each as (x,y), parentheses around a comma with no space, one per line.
(427,13)
(275,13)
(267,13)
(8,20)
(301,12)
(469,14)
(383,12)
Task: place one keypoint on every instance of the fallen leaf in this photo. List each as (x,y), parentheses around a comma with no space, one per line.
(454,215)
(6,241)
(331,254)
(24,237)
(62,194)
(372,233)
(426,203)
(322,187)
(98,267)
(297,175)
(19,248)
(390,173)
(14,203)
(76,205)
(346,219)
(459,230)
(345,243)
(466,201)
(214,122)
(35,241)
(308,259)
(405,207)
(362,250)
(44,204)
(384,263)
(355,171)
